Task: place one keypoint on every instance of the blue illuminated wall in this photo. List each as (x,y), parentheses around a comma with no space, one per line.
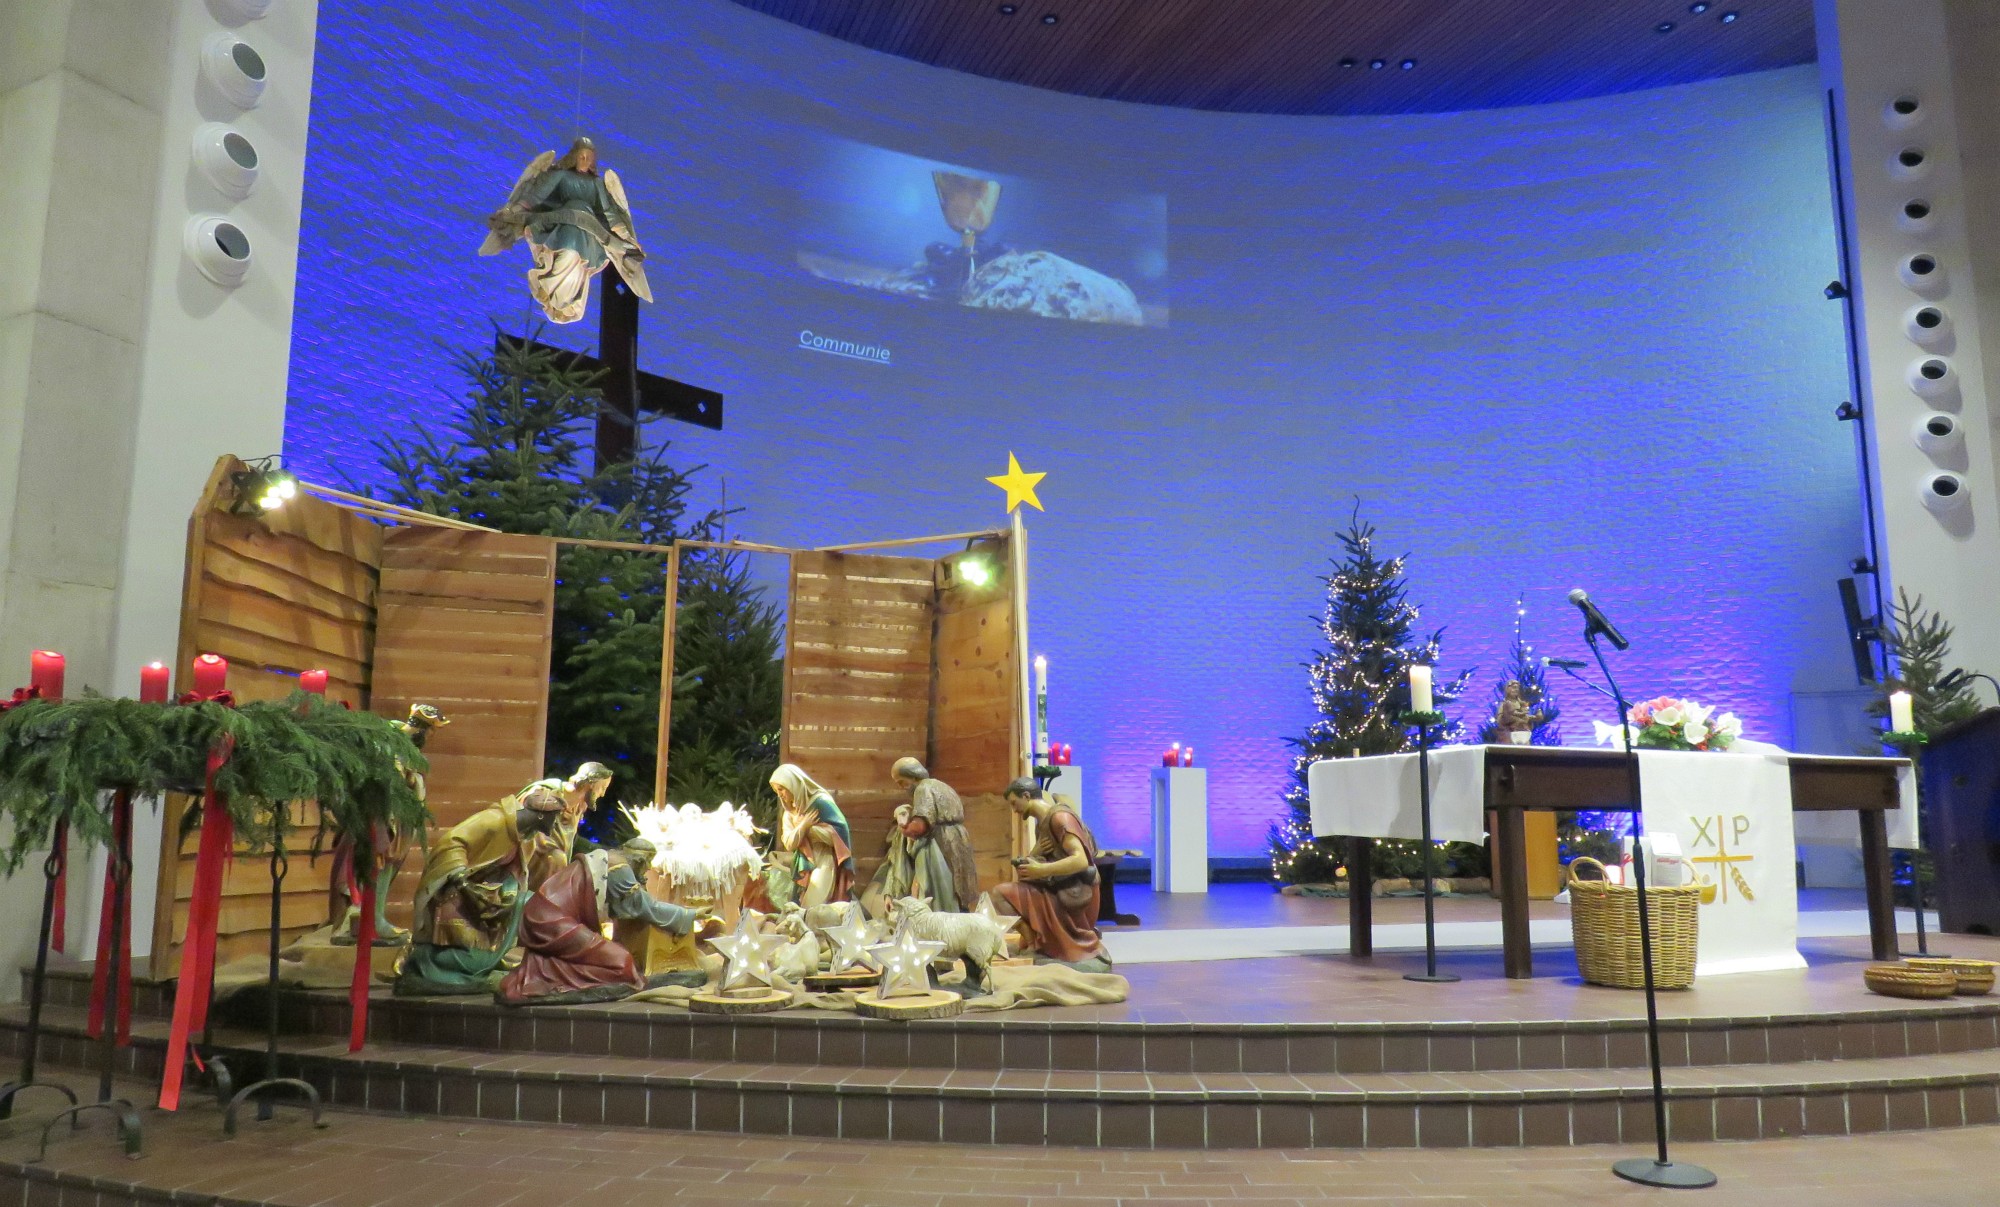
(1579,344)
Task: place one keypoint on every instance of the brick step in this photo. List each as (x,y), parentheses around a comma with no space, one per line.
(1192,1110)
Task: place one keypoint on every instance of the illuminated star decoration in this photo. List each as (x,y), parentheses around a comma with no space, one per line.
(851,941)
(1005,922)
(1019,485)
(906,962)
(748,955)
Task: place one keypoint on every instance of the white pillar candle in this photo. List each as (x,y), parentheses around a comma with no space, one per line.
(1420,688)
(1041,709)
(1902,718)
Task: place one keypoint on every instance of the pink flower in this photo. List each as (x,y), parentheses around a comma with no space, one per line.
(1641,715)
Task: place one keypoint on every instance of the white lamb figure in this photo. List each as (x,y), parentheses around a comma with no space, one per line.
(799,959)
(976,941)
(823,918)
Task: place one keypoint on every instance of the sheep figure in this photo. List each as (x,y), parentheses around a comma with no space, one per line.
(800,958)
(974,940)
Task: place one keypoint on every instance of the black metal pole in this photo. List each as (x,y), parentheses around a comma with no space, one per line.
(262,1089)
(1659,1171)
(121,877)
(1431,974)
(52,869)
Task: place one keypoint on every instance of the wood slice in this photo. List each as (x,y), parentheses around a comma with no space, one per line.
(832,982)
(935,1004)
(761,1003)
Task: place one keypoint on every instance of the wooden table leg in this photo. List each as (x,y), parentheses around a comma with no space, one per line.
(1881,881)
(1360,896)
(1511,870)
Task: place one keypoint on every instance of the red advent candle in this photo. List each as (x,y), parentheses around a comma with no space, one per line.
(153,683)
(1187,756)
(211,674)
(313,681)
(1069,754)
(1172,758)
(45,671)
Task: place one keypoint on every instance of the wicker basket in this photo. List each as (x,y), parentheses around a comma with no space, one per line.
(1975,977)
(1901,980)
(1604,919)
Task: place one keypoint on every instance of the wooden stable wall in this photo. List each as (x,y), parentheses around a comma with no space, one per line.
(464,622)
(976,738)
(275,594)
(858,682)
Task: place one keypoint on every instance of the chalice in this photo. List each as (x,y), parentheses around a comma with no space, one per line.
(968,203)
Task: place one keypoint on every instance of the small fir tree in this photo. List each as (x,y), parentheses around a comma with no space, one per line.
(1360,687)
(516,458)
(1919,647)
(1527,670)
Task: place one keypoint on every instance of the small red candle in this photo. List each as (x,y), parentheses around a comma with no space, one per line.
(1069,754)
(313,681)
(1172,758)
(45,671)
(1187,756)
(153,683)
(211,674)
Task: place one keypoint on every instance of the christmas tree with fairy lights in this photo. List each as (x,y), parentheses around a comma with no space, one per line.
(1360,686)
(1525,668)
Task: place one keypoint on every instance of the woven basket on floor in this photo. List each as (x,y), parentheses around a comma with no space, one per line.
(1604,919)
(1901,980)
(1974,977)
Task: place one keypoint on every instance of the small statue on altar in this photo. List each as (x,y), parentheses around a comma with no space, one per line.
(814,853)
(1056,896)
(569,958)
(475,883)
(344,885)
(576,222)
(1514,719)
(929,853)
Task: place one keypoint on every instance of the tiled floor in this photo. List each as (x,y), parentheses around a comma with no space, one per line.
(378,1161)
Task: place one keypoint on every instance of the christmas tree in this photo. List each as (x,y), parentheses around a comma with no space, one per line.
(1919,643)
(1524,668)
(1360,687)
(516,458)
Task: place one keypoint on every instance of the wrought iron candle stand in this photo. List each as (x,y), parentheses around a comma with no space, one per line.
(271,1082)
(31,1040)
(1425,722)
(1910,744)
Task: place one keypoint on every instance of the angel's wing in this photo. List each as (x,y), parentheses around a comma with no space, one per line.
(504,227)
(624,248)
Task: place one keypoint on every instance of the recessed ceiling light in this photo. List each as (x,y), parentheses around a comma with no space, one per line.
(1729,18)
(1408,64)
(1008,10)
(1050,18)
(1377,64)
(1664,27)
(1350,61)
(1698,7)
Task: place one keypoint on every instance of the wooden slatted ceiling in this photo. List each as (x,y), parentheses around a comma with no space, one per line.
(1283,56)
(464,622)
(858,682)
(275,594)
(975,711)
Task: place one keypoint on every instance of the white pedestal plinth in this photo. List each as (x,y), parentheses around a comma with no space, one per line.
(1069,783)
(1180,829)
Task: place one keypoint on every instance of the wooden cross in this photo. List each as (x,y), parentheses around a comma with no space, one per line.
(628,390)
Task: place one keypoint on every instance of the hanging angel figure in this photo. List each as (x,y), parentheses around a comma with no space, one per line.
(575,221)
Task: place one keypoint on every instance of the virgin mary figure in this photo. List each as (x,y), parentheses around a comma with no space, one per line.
(576,221)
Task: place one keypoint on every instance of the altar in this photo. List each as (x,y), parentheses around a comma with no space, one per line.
(1480,790)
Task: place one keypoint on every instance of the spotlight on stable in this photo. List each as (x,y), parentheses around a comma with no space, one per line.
(974,571)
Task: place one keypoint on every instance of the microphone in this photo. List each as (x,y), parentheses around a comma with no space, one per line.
(1594,621)
(1568,664)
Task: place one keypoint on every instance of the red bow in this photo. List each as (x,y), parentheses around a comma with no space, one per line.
(225,697)
(21,696)
(197,975)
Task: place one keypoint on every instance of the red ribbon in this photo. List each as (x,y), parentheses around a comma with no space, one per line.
(191,994)
(21,696)
(114,917)
(364,945)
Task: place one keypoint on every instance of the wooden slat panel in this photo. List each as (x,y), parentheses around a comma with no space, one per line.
(812,711)
(408,547)
(486,588)
(329,527)
(239,645)
(228,566)
(413,619)
(293,624)
(830,656)
(973,720)
(244,537)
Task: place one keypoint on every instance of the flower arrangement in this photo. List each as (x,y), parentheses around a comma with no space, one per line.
(1667,723)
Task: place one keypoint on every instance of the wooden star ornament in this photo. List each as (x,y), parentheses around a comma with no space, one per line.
(1006,922)
(747,955)
(906,962)
(1019,485)
(852,939)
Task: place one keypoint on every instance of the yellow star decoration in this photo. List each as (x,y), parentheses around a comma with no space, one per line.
(1019,485)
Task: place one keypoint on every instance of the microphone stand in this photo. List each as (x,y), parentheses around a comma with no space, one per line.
(1658,1171)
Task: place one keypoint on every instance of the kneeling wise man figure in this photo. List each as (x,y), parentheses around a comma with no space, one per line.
(569,959)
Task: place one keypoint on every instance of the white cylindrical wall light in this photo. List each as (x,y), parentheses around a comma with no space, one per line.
(1922,272)
(1926,324)
(1942,490)
(218,247)
(1910,163)
(226,158)
(1916,216)
(1903,112)
(1937,433)
(1932,377)
(234,67)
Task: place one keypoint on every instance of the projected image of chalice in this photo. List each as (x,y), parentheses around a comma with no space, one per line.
(968,203)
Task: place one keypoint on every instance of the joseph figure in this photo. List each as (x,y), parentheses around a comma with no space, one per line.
(929,853)
(476,881)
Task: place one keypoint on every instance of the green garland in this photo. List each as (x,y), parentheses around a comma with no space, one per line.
(57,756)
